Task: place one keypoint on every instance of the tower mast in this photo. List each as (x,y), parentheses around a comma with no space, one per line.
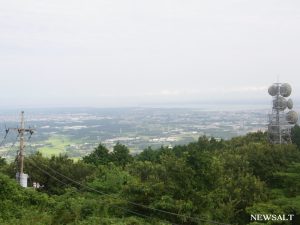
(280,122)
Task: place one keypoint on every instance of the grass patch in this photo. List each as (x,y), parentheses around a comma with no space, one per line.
(54,146)
(76,159)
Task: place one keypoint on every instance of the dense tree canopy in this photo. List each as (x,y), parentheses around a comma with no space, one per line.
(296,135)
(203,181)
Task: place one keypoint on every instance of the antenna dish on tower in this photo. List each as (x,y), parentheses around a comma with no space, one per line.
(292,117)
(280,103)
(290,104)
(285,90)
(280,122)
(273,90)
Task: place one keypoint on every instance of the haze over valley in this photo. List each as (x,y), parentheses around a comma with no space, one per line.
(76,131)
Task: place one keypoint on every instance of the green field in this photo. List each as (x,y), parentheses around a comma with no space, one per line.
(54,146)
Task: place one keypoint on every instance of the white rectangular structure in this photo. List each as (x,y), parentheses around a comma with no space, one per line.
(22,179)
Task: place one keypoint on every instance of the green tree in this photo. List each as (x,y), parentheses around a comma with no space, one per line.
(100,156)
(120,155)
(2,162)
(109,179)
(22,206)
(55,174)
(296,135)
(149,154)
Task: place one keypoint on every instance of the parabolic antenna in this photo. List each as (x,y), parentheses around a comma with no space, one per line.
(292,117)
(273,90)
(280,103)
(290,104)
(285,90)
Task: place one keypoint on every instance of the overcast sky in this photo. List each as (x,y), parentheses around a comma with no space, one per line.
(139,52)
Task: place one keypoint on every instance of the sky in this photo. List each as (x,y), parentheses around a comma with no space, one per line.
(110,53)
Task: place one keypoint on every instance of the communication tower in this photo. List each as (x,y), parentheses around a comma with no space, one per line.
(281,122)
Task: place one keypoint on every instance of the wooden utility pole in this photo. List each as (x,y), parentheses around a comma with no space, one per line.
(21,177)
(21,134)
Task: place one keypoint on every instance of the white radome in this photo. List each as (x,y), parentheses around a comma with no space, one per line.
(285,90)
(273,90)
(290,104)
(280,103)
(292,117)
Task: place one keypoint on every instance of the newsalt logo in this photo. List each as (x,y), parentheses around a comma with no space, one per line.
(271,217)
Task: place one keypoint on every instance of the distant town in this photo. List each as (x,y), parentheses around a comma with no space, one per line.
(76,132)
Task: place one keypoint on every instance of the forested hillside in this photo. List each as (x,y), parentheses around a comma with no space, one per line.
(204,182)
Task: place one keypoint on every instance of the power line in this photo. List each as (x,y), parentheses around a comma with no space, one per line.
(44,171)
(2,142)
(5,136)
(137,204)
(118,207)
(11,147)
(133,203)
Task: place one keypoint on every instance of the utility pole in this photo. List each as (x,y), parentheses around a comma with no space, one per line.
(21,176)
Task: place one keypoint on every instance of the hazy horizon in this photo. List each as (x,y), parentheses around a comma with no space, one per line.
(186,105)
(136,53)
